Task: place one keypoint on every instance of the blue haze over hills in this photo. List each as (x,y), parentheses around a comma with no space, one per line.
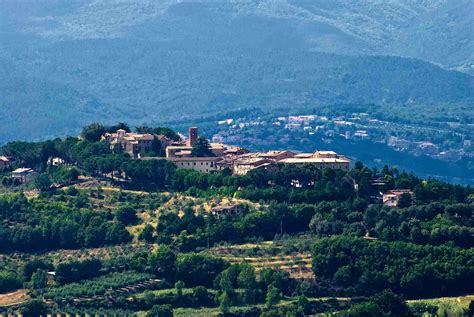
(64,64)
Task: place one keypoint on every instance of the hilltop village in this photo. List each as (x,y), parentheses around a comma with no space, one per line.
(194,152)
(216,157)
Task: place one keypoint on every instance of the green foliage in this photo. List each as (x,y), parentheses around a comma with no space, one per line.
(403,267)
(39,279)
(43,182)
(93,132)
(224,302)
(160,311)
(367,309)
(33,308)
(201,148)
(47,224)
(179,286)
(147,233)
(96,286)
(33,266)
(77,270)
(163,262)
(126,215)
(385,303)
(8,281)
(198,269)
(273,296)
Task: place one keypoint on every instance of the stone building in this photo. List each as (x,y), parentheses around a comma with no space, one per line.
(321,159)
(134,143)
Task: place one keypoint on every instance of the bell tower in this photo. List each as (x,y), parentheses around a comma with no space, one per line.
(193,136)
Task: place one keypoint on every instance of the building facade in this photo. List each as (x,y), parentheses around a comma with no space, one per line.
(201,164)
(392,197)
(4,162)
(25,175)
(134,143)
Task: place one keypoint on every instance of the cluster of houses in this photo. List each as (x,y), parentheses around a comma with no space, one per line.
(239,160)
(236,159)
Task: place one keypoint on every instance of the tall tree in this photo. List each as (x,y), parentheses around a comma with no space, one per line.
(201,148)
(93,132)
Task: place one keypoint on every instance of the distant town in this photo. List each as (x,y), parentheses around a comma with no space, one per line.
(416,140)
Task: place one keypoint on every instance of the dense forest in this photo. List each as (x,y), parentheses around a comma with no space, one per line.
(127,236)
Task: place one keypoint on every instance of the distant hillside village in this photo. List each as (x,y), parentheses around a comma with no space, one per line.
(196,153)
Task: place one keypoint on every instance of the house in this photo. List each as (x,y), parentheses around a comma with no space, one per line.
(201,164)
(56,161)
(134,143)
(25,175)
(392,197)
(228,210)
(244,164)
(4,162)
(268,167)
(276,156)
(235,150)
(320,159)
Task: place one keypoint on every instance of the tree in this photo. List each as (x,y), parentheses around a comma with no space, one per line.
(126,215)
(156,147)
(39,279)
(179,286)
(367,309)
(303,305)
(224,302)
(391,304)
(43,182)
(198,269)
(404,200)
(147,233)
(93,132)
(149,298)
(163,262)
(273,296)
(201,148)
(34,265)
(8,281)
(247,280)
(33,308)
(160,311)
(118,126)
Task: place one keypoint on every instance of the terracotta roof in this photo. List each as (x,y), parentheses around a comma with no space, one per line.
(398,192)
(191,159)
(314,160)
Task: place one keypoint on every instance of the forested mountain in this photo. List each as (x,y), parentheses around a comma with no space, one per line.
(64,64)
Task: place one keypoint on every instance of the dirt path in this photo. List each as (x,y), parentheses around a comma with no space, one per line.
(14,298)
